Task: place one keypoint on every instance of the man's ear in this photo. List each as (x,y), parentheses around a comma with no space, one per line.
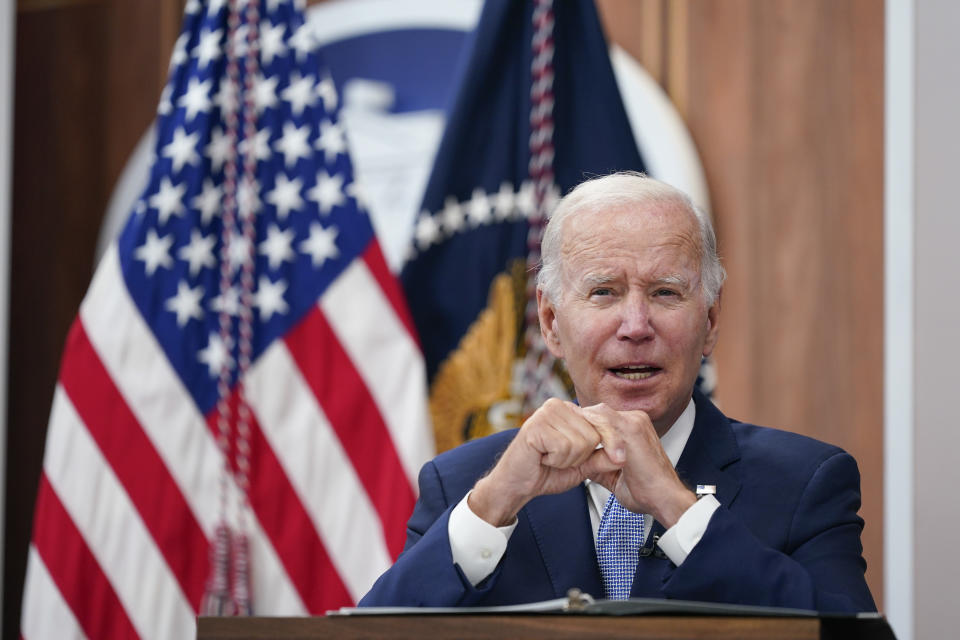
(713,325)
(548,324)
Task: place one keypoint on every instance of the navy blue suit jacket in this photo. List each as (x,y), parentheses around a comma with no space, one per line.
(786,534)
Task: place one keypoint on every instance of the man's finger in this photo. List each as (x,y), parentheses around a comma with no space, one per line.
(610,437)
(564,438)
(600,468)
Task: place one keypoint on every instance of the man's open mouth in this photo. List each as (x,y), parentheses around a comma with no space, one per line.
(638,372)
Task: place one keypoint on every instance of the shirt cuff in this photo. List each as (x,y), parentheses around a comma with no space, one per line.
(476,545)
(680,539)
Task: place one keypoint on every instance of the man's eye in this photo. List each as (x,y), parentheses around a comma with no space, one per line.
(665,292)
(602,291)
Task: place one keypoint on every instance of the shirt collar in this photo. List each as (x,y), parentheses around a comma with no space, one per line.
(675,439)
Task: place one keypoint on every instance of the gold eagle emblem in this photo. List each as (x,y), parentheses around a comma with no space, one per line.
(474,392)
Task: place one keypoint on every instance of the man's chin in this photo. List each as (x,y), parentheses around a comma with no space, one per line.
(649,406)
(654,406)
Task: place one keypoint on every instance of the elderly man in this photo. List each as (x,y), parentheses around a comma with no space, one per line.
(643,488)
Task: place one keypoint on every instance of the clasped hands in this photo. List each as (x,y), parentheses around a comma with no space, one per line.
(557,449)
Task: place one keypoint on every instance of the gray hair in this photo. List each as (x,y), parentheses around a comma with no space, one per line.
(626,188)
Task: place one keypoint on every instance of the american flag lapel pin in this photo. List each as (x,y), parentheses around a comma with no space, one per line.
(706,490)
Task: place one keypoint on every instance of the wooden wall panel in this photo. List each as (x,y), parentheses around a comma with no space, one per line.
(784,99)
(639,26)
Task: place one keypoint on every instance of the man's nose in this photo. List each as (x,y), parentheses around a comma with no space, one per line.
(635,321)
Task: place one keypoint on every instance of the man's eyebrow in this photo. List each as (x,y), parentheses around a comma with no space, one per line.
(675,280)
(598,279)
(591,280)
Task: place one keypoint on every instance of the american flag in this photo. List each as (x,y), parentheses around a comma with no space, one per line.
(134,481)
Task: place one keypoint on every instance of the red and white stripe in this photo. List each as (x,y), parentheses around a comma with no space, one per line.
(45,613)
(129,495)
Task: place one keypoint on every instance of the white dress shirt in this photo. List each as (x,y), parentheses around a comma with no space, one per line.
(477,546)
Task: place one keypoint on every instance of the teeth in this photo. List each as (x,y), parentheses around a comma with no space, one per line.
(635,373)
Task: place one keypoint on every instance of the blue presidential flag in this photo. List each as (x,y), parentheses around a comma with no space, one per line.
(536,111)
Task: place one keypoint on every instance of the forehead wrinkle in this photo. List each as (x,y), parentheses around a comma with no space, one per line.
(601,236)
(672,228)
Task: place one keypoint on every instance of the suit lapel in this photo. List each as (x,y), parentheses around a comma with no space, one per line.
(561,529)
(709,457)
(711,453)
(652,567)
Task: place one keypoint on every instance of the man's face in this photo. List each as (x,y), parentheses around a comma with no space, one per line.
(631,323)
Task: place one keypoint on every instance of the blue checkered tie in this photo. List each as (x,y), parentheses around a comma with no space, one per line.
(618,545)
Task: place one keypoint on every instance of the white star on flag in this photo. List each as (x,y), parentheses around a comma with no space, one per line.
(207,202)
(299,93)
(240,40)
(277,246)
(238,252)
(186,304)
(226,97)
(215,355)
(199,252)
(216,6)
(328,192)
(331,140)
(168,199)
(196,99)
(327,92)
(182,149)
(261,145)
(526,202)
(503,202)
(164,107)
(293,143)
(248,198)
(155,252)
(227,302)
(219,148)
(321,245)
(452,215)
(302,41)
(269,298)
(427,231)
(355,190)
(208,49)
(265,93)
(179,51)
(478,209)
(271,41)
(285,195)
